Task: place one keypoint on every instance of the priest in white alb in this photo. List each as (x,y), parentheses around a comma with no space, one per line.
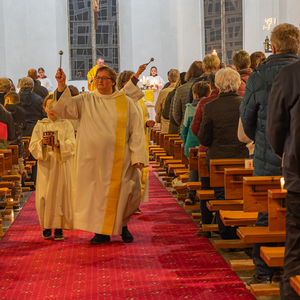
(110,149)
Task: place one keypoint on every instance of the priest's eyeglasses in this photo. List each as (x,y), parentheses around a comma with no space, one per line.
(104,78)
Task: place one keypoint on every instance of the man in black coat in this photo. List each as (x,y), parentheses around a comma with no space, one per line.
(285,40)
(283,133)
(33,108)
(38,89)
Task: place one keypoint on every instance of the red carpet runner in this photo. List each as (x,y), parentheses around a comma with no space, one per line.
(166,260)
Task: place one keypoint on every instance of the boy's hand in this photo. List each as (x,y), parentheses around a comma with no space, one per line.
(46,140)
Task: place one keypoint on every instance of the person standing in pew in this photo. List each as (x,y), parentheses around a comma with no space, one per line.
(13,105)
(207,216)
(110,149)
(218,131)
(201,90)
(283,133)
(285,39)
(54,189)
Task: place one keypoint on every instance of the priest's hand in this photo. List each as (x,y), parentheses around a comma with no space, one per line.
(61,80)
(141,69)
(139,166)
(150,123)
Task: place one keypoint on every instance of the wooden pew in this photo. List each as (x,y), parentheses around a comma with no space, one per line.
(15,153)
(233,182)
(184,159)
(269,289)
(177,149)
(255,192)
(202,168)
(260,235)
(238,218)
(193,159)
(276,209)
(7,158)
(295,284)
(273,256)
(217,167)
(216,205)
(2,164)
(26,141)
(167,141)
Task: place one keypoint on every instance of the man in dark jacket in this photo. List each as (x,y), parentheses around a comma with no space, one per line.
(5,86)
(38,89)
(13,105)
(33,108)
(283,128)
(285,40)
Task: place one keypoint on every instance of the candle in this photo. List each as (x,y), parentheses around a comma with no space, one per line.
(147,81)
(214,52)
(144,80)
(141,83)
(282,182)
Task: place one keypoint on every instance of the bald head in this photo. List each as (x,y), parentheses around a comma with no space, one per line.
(32,73)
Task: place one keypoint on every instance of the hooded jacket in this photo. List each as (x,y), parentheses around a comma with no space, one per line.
(18,115)
(33,108)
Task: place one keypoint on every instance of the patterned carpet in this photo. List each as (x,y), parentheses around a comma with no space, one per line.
(165,261)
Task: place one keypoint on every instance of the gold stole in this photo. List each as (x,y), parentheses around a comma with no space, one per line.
(117,169)
(145,170)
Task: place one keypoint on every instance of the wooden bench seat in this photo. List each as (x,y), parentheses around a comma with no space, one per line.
(205,194)
(172,167)
(193,186)
(273,256)
(266,289)
(238,218)
(183,177)
(210,227)
(179,172)
(196,216)
(242,265)
(295,284)
(171,162)
(7,184)
(191,207)
(4,191)
(11,177)
(215,205)
(225,244)
(260,235)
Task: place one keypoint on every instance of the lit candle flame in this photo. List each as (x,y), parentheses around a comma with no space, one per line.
(282,182)
(214,52)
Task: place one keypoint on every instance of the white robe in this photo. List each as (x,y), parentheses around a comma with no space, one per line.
(95,147)
(136,94)
(54,186)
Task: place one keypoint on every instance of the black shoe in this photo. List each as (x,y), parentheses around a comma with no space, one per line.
(47,234)
(189,200)
(99,239)
(17,207)
(206,234)
(58,235)
(126,235)
(138,212)
(259,279)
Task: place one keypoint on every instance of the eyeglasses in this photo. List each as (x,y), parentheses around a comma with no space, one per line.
(102,78)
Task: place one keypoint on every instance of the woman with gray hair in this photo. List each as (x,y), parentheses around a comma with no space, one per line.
(218,130)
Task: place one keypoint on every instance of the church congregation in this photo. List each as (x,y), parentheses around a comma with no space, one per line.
(223,137)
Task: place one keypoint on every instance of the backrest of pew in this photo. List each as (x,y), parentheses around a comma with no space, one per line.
(15,153)
(255,192)
(162,140)
(167,141)
(193,158)
(202,168)
(26,141)
(2,164)
(233,182)
(172,145)
(177,149)
(184,159)
(276,209)
(7,158)
(156,137)
(217,167)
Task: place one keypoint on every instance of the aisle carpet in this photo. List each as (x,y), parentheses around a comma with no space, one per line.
(165,261)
